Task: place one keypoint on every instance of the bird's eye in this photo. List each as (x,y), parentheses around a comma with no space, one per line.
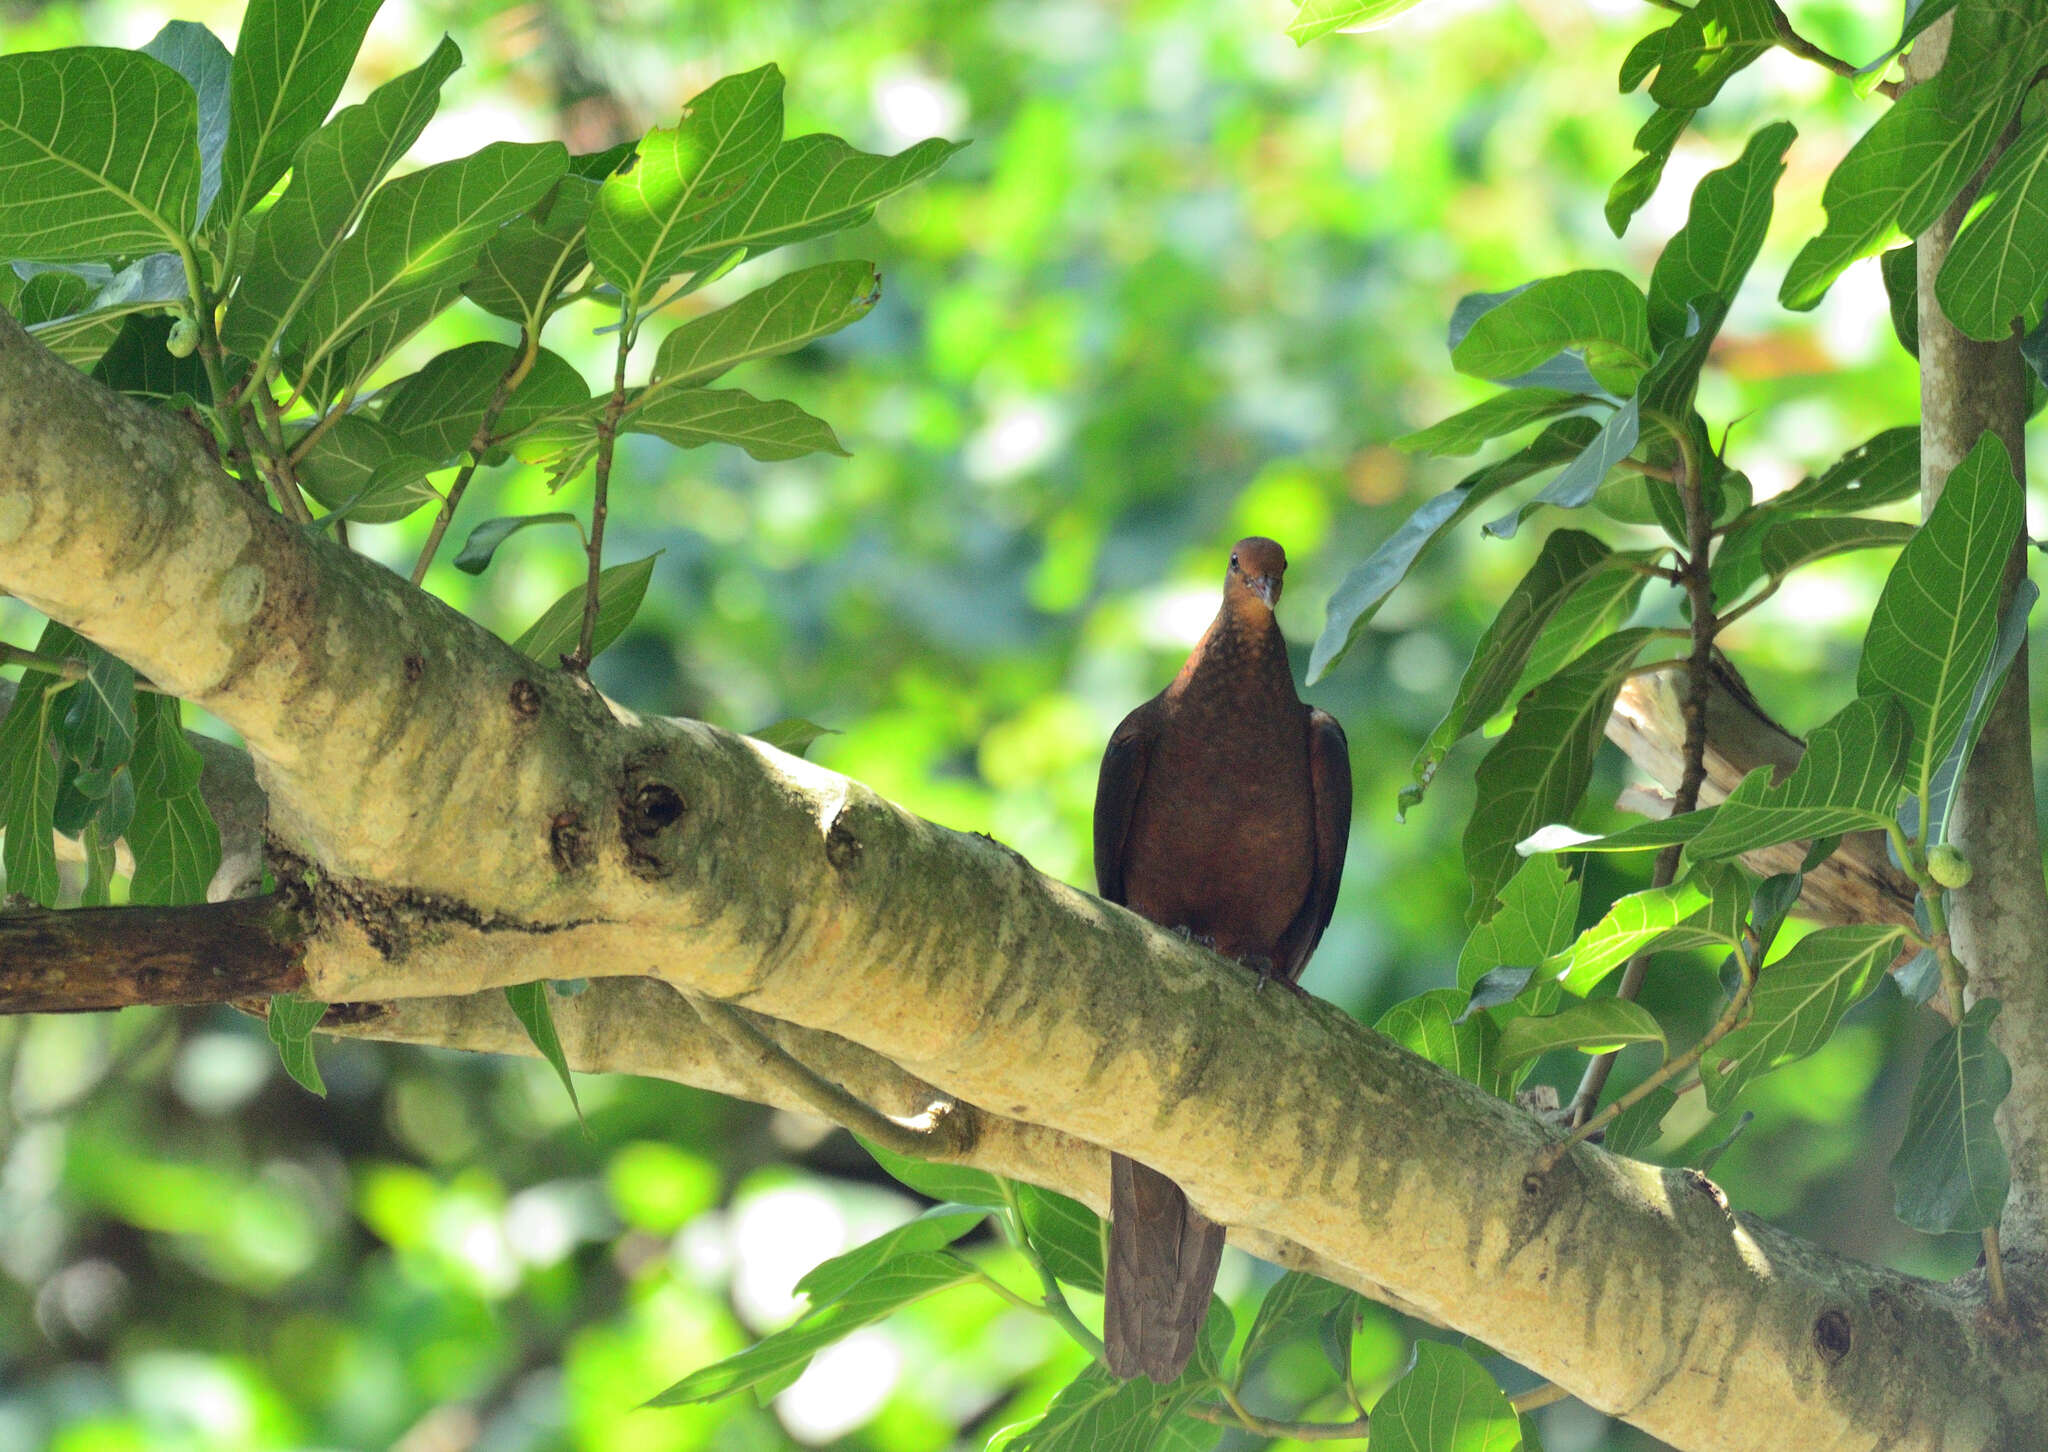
(1233,561)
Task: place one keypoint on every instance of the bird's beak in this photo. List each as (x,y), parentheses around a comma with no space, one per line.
(1266,587)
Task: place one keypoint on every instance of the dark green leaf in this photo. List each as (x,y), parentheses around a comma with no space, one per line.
(98,847)
(533,257)
(1934,623)
(1433,1025)
(173,838)
(1466,432)
(1848,781)
(1643,58)
(530,1006)
(1575,484)
(1658,136)
(1568,560)
(333,177)
(1710,255)
(1882,469)
(1640,1125)
(1783,545)
(291,59)
(648,214)
(1593,1027)
(28,776)
(1951,1172)
(1997,271)
(942,1182)
(292,1020)
(1539,910)
(768,429)
(484,540)
(786,314)
(1600,606)
(888,1289)
(436,412)
(99,154)
(935,1229)
(1797,1002)
(1297,1306)
(2012,633)
(97,727)
(357,467)
(1066,1234)
(1445,1403)
(620,588)
(1538,770)
(138,364)
(1367,586)
(196,53)
(812,186)
(1097,1413)
(793,735)
(1901,269)
(1667,390)
(1600,314)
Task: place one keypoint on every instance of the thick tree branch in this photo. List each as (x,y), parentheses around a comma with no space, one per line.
(471,820)
(1999,922)
(101,958)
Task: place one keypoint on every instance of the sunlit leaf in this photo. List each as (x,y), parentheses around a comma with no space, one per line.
(1731,210)
(291,59)
(941,1182)
(484,540)
(358,467)
(812,186)
(1593,1027)
(620,589)
(1433,1025)
(1066,1234)
(786,314)
(1466,432)
(436,412)
(1599,314)
(196,53)
(767,428)
(534,256)
(173,838)
(1318,18)
(1445,1403)
(1709,43)
(1656,140)
(1847,781)
(1997,271)
(935,1229)
(1797,1002)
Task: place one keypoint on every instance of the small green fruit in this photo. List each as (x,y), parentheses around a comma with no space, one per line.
(1948,866)
(184,338)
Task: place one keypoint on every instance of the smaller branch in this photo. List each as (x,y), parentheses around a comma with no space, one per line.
(70,670)
(937,1132)
(1791,40)
(1536,1398)
(1752,602)
(478,442)
(92,959)
(607,436)
(1644,466)
(284,473)
(1235,1414)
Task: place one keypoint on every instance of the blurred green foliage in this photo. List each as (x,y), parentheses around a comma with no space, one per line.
(1186,284)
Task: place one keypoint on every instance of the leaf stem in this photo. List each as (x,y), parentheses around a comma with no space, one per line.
(1055,1300)
(508,383)
(607,435)
(1235,1414)
(70,670)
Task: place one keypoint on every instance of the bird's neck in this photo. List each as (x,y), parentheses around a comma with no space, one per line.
(1241,648)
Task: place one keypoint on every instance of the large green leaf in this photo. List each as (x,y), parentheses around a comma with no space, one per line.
(1300,1305)
(1539,909)
(1997,272)
(1881,469)
(1796,1004)
(418,241)
(1598,313)
(334,378)
(940,1181)
(888,1289)
(2012,634)
(1445,1403)
(28,779)
(533,257)
(99,155)
(1684,915)
(196,53)
(813,186)
(291,1023)
(1576,483)
(333,177)
(620,589)
(291,59)
(1950,1172)
(1600,606)
(140,364)
(1362,591)
(1768,547)
(648,214)
(359,468)
(935,1229)
(173,837)
(785,314)
(1095,1412)
(1709,43)
(1431,1024)
(1935,619)
(435,413)
(1594,1027)
(1066,1234)
(1848,781)
(767,428)
(1467,432)
(1538,770)
(1568,560)
(1731,210)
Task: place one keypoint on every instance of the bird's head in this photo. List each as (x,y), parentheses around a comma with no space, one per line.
(1256,565)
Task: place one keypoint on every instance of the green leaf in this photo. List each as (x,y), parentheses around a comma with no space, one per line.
(1568,560)
(1601,314)
(534,256)
(1367,586)
(1933,626)
(649,213)
(1880,470)
(1445,1403)
(786,314)
(1642,837)
(1901,269)
(484,540)
(139,364)
(1538,770)
(1658,136)
(358,467)
(1796,1004)
(1642,60)
(1299,1305)
(1574,485)
(1594,1027)
(1097,1413)
(935,1229)
(1997,270)
(1951,1173)
(1783,545)
(1539,909)
(173,838)
(1432,1024)
(196,53)
(1660,919)
(99,155)
(1847,781)
(1466,432)
(1066,1234)
(1600,606)
(2012,633)
(97,729)
(292,1020)
(28,778)
(435,412)
(1667,390)
(1318,18)
(417,242)
(956,1183)
(1731,210)
(334,176)
(1708,44)
(291,59)
(813,186)
(620,589)
(793,734)
(768,429)
(1639,1126)
(98,847)
(530,1006)
(888,1289)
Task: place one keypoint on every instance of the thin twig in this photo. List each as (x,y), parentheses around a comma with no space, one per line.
(1791,40)
(607,435)
(1234,1414)
(479,441)
(1537,1398)
(284,473)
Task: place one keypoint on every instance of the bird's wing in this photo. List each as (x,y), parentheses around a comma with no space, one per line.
(1116,794)
(1329,778)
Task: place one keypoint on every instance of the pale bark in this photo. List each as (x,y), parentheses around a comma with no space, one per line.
(469,819)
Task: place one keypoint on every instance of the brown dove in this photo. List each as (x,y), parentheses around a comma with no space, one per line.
(1222,811)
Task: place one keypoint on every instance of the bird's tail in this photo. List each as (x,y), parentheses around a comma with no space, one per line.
(1162,1266)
